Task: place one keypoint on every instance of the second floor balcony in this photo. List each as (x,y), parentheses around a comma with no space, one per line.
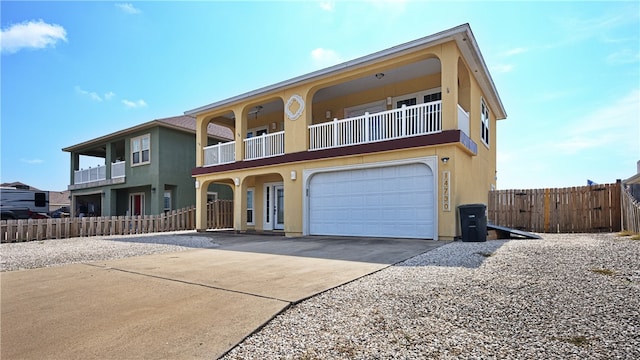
(98,175)
(406,121)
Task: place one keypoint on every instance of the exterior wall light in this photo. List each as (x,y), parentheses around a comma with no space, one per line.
(327,115)
(445,159)
(197,184)
(294,175)
(236,181)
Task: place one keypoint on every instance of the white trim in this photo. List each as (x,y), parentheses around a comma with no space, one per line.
(254,131)
(271,185)
(349,110)
(419,95)
(430,161)
(131,152)
(483,104)
(142,203)
(294,115)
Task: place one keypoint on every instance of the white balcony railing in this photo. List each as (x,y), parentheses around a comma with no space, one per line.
(407,121)
(264,146)
(90,175)
(99,173)
(118,169)
(222,153)
(463,120)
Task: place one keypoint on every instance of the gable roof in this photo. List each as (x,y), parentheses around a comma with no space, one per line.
(181,123)
(462,35)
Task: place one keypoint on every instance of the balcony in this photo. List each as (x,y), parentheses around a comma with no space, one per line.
(264,146)
(421,119)
(222,153)
(97,176)
(404,122)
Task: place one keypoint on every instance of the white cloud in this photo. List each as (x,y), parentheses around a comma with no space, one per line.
(32,161)
(91,94)
(515,51)
(327,5)
(325,57)
(502,68)
(134,104)
(128,8)
(109,95)
(31,35)
(625,56)
(616,124)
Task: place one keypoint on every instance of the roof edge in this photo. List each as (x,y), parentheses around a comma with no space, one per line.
(439,36)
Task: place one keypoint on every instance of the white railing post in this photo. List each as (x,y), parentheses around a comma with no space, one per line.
(264,145)
(335,131)
(366,121)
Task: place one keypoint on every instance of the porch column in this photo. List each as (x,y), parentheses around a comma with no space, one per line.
(241,131)
(201,139)
(75,165)
(108,159)
(449,68)
(240,206)
(297,118)
(201,205)
(293,202)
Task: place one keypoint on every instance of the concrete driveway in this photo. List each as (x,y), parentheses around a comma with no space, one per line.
(189,304)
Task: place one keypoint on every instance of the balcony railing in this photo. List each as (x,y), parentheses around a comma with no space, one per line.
(264,146)
(99,173)
(222,153)
(421,119)
(463,120)
(118,169)
(90,175)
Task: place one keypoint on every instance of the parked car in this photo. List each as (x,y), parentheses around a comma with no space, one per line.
(62,212)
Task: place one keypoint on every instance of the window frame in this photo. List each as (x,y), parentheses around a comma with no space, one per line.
(141,151)
(251,208)
(485,123)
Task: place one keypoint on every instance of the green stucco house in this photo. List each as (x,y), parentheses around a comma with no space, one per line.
(146,171)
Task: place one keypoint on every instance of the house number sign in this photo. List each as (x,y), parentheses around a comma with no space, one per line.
(295,98)
(446,193)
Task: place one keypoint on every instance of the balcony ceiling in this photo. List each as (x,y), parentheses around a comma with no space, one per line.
(391,76)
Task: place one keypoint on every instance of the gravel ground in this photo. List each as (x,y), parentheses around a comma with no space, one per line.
(564,297)
(37,254)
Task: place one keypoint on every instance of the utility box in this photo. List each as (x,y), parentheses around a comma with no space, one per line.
(473,222)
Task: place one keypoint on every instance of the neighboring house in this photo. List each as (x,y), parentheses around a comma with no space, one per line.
(146,171)
(385,145)
(632,184)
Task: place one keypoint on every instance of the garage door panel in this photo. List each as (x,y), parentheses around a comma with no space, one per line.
(391,201)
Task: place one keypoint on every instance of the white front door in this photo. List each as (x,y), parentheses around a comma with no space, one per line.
(273,206)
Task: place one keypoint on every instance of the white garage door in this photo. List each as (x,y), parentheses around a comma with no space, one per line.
(391,201)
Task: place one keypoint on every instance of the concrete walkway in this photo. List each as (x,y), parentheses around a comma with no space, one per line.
(190,304)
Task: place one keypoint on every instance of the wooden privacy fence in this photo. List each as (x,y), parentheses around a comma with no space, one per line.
(630,213)
(586,209)
(219,216)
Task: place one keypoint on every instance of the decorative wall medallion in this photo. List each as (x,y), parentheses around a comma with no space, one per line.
(294,107)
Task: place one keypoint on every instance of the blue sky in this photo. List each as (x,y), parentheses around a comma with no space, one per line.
(568,73)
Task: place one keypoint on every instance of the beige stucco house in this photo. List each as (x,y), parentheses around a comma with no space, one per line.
(385,145)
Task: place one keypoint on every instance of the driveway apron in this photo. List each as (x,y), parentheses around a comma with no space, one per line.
(190,304)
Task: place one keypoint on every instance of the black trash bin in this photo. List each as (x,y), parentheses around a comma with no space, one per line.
(473,222)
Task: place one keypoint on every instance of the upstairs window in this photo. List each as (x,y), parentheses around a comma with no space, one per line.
(140,150)
(484,122)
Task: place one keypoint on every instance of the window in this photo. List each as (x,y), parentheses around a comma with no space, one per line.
(167,200)
(140,149)
(432,97)
(408,102)
(212,196)
(40,199)
(257,132)
(250,220)
(484,122)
